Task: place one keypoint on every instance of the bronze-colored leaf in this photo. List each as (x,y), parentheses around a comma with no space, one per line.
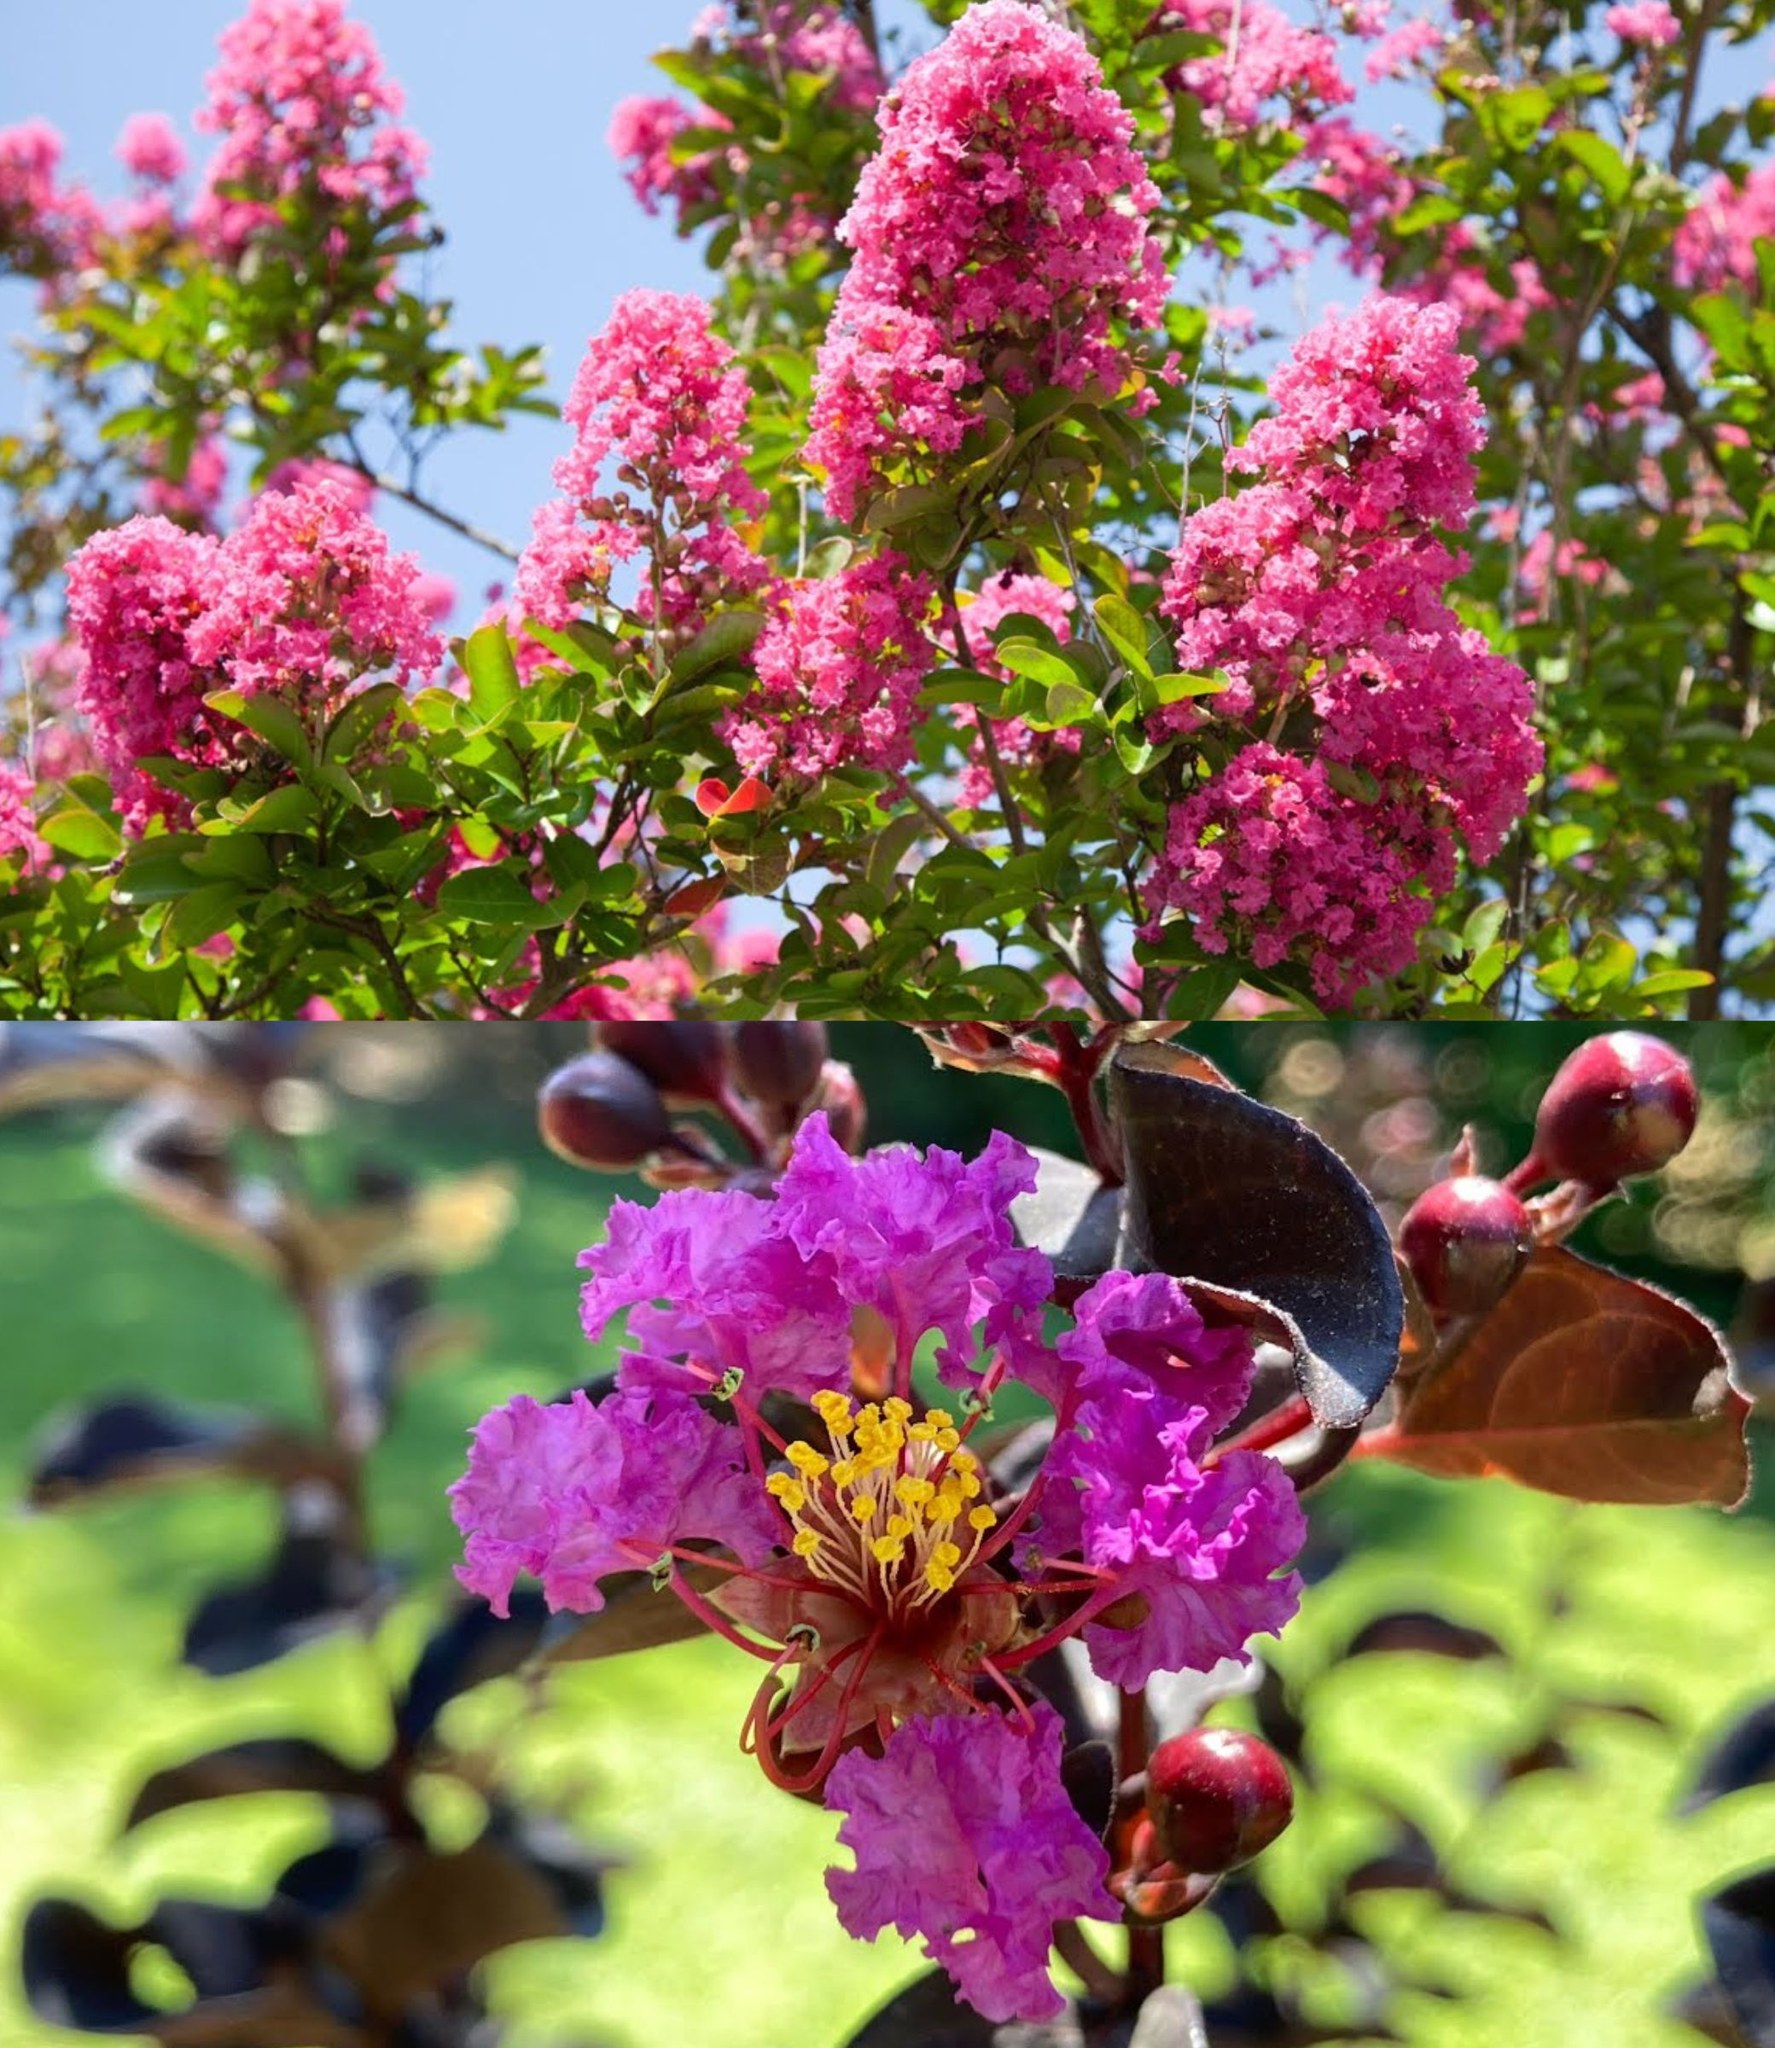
(267,1764)
(1264,1221)
(1583,1383)
(634,1617)
(138,1440)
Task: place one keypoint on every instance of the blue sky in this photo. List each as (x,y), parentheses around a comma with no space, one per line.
(543,233)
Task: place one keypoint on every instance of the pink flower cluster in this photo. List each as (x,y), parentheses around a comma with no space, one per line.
(838,673)
(150,150)
(806,37)
(18,818)
(1000,596)
(1716,244)
(656,471)
(304,600)
(1368,725)
(1000,234)
(303,108)
(1647,22)
(1264,58)
(45,228)
(895,1595)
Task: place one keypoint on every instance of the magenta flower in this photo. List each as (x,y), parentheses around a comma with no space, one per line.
(962,1827)
(895,1592)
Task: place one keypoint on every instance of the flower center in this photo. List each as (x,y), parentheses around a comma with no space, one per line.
(893,1517)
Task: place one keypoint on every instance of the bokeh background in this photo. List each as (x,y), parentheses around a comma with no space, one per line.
(1638,1634)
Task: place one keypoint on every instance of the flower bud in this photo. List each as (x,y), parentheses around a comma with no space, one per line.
(686,1062)
(779,1064)
(842,1099)
(599,1111)
(1465,1240)
(1216,1797)
(1623,1104)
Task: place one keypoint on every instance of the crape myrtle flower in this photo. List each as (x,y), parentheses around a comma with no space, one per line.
(766,1429)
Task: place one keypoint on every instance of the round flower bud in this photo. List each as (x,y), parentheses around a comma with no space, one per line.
(600,1111)
(1622,1104)
(847,1114)
(1216,1797)
(1465,1240)
(686,1062)
(779,1064)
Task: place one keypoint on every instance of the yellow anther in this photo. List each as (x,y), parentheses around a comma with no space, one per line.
(939,1418)
(844,1473)
(914,1492)
(807,1541)
(982,1518)
(938,1577)
(899,1526)
(887,1550)
(863,1507)
(947,1555)
(964,1462)
(946,1439)
(790,1492)
(897,1410)
(806,1460)
(834,1411)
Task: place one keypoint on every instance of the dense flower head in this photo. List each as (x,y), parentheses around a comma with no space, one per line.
(1647,22)
(1036,597)
(1320,595)
(1716,244)
(893,1585)
(18,816)
(963,1829)
(150,150)
(656,471)
(1265,58)
(808,37)
(196,496)
(303,108)
(305,600)
(44,227)
(1003,221)
(838,671)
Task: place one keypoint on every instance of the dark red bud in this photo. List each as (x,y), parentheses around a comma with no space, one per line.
(1216,1797)
(779,1064)
(687,1063)
(599,1111)
(1623,1104)
(1465,1240)
(842,1100)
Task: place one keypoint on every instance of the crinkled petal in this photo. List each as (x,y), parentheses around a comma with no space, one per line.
(962,1827)
(572,1492)
(1147,1323)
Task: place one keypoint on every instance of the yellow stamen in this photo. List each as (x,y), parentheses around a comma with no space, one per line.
(807,1541)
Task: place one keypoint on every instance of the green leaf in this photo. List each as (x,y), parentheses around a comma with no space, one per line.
(202,913)
(1125,630)
(907,505)
(268,717)
(722,642)
(1600,158)
(494,896)
(1041,664)
(493,680)
(1173,689)
(76,828)
(368,710)
(290,809)
(1069,703)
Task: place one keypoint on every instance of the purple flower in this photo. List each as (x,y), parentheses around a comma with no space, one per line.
(573,1492)
(925,1241)
(962,1827)
(1146,1325)
(737,1296)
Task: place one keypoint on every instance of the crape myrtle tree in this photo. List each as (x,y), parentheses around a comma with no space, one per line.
(966,578)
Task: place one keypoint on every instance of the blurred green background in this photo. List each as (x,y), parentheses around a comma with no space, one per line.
(720,1931)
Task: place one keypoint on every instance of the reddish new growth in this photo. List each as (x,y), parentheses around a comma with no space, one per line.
(1365,727)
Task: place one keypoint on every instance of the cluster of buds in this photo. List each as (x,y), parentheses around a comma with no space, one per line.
(618,1107)
(1622,1105)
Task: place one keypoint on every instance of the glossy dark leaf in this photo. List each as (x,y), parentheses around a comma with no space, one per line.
(1089,1774)
(76,1971)
(1743,1756)
(1739,1924)
(1071,1216)
(268,1764)
(1267,1221)
(1585,1384)
(315,1583)
(927,2014)
(471,1646)
(1703,2007)
(635,1616)
(1424,1634)
(551,1849)
(137,1440)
